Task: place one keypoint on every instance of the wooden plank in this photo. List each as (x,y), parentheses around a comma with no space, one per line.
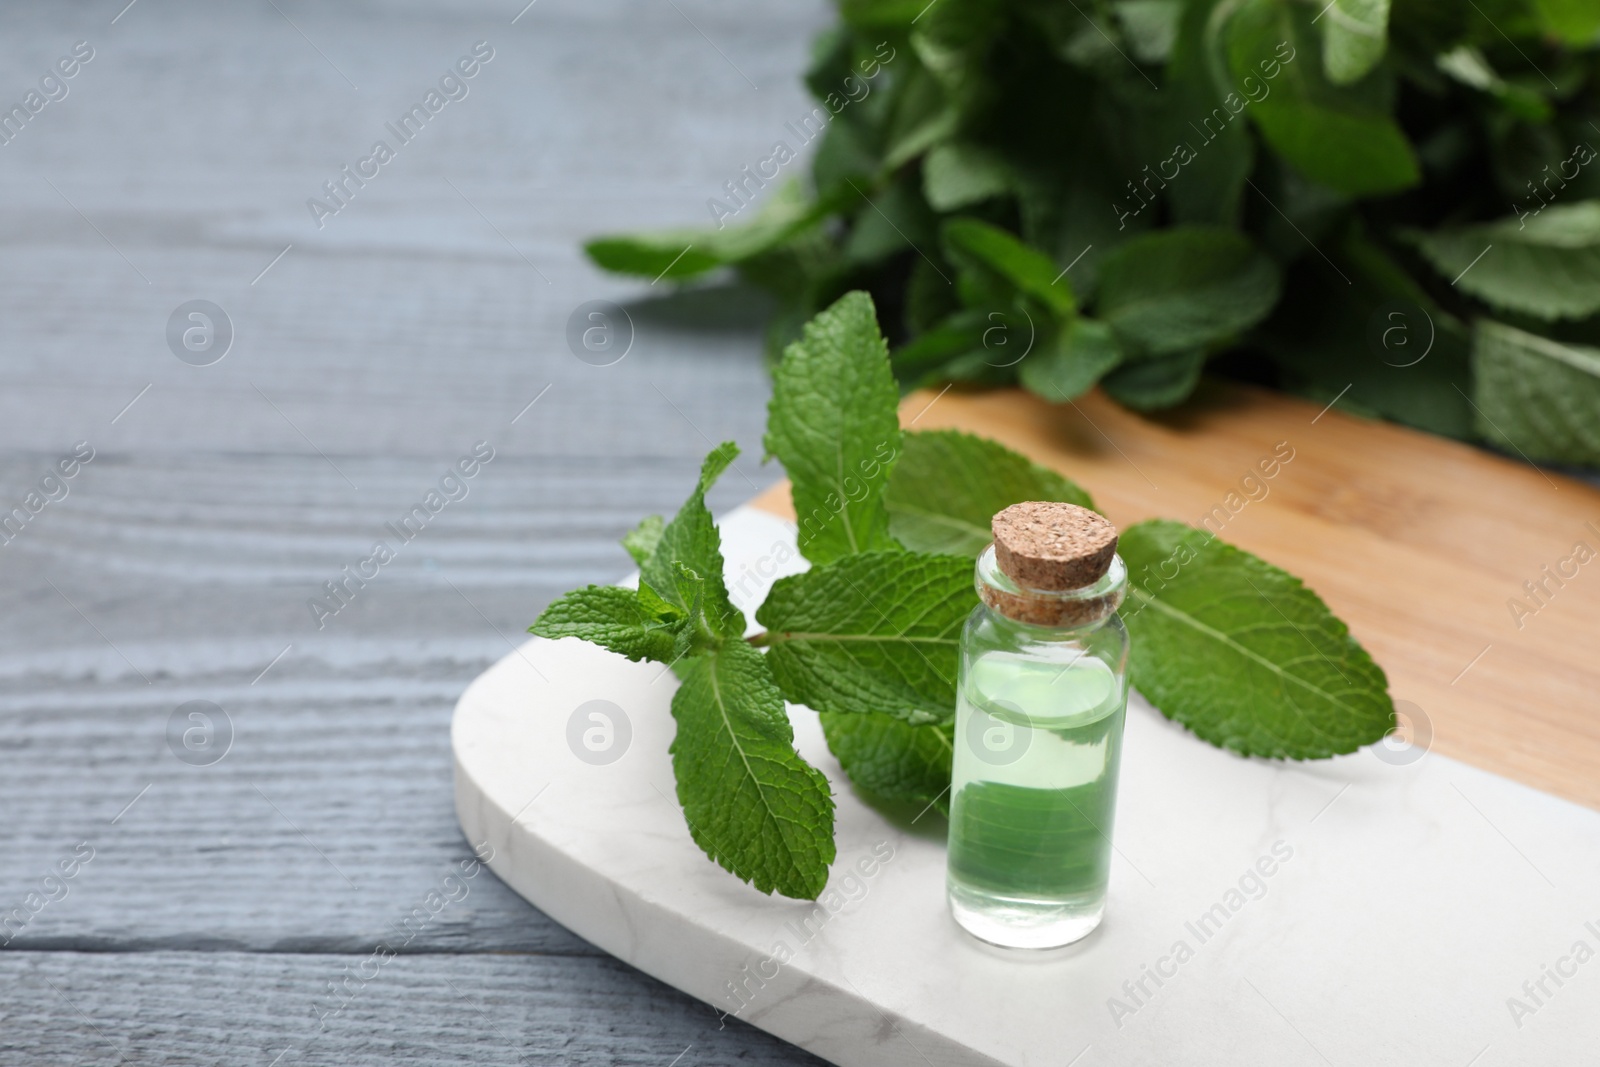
(328,822)
(1417,542)
(229,1008)
(197,570)
(383,345)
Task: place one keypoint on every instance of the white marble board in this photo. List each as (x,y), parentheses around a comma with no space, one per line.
(1416,911)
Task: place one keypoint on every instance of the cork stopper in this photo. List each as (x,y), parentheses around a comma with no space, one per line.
(1046,545)
(1052,565)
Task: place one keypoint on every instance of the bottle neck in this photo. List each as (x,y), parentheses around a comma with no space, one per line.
(1058,610)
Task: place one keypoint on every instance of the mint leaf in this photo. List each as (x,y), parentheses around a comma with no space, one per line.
(1081,354)
(1150,27)
(641,541)
(1026,269)
(953,42)
(948,485)
(677,255)
(877,632)
(1343,138)
(1546,265)
(692,541)
(1153,384)
(1535,396)
(957,173)
(1354,154)
(752,804)
(925,358)
(614,618)
(921,118)
(1354,37)
(880,14)
(1242,653)
(1469,66)
(832,422)
(1185,288)
(1577,22)
(890,758)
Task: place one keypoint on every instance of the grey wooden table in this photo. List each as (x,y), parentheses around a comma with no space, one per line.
(227,874)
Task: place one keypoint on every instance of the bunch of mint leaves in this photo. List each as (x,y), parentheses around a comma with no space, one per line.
(1394,204)
(890,521)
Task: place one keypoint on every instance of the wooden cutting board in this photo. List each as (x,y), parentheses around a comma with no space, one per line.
(1421,544)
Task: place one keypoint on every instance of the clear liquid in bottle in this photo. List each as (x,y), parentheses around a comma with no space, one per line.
(1033,794)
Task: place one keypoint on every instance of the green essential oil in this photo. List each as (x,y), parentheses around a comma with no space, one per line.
(1038,742)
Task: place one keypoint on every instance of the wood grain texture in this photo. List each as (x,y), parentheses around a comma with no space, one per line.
(230,1008)
(422,318)
(1417,542)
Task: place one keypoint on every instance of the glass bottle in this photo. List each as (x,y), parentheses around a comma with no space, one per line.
(1038,735)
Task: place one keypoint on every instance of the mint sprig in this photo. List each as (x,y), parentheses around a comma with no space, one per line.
(1150,188)
(1225,643)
